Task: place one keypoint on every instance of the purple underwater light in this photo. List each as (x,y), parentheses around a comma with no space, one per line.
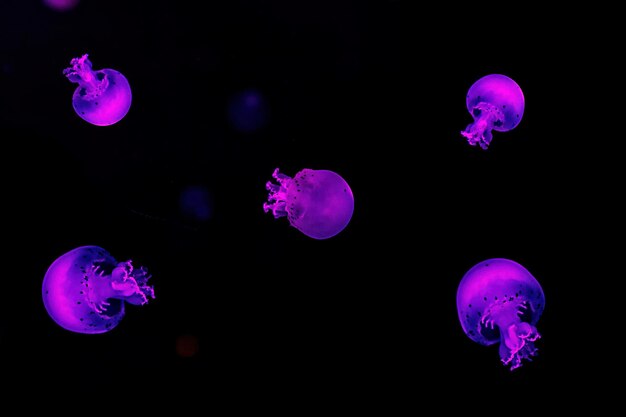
(319,203)
(495,102)
(84,290)
(499,300)
(102,97)
(61,5)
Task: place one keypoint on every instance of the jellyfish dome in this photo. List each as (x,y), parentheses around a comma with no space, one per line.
(319,203)
(102,97)
(61,5)
(248,111)
(498,300)
(84,291)
(495,102)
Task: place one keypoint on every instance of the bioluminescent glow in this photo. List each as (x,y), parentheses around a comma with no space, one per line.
(248,111)
(85,290)
(495,102)
(61,5)
(319,203)
(102,97)
(498,300)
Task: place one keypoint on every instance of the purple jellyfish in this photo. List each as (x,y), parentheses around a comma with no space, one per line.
(85,289)
(495,102)
(61,5)
(319,203)
(102,97)
(499,300)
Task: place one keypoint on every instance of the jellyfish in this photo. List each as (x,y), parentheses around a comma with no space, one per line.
(499,300)
(61,5)
(102,97)
(84,290)
(196,203)
(248,111)
(495,102)
(319,203)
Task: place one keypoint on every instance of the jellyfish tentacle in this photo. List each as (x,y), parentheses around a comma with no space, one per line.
(81,72)
(486,116)
(277,198)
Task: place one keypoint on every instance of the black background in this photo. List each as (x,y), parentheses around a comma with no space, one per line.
(373,91)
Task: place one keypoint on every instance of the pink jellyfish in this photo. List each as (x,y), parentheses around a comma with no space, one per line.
(498,300)
(102,97)
(84,290)
(319,203)
(495,102)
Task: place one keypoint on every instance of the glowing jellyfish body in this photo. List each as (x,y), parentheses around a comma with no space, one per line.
(102,97)
(499,300)
(84,290)
(319,203)
(248,111)
(196,203)
(61,5)
(495,102)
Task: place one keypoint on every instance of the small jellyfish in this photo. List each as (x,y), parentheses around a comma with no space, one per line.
(196,203)
(102,97)
(319,203)
(61,5)
(248,111)
(84,290)
(495,102)
(499,300)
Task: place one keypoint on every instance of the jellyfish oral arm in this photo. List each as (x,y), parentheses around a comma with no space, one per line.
(516,336)
(486,116)
(80,72)
(124,283)
(277,199)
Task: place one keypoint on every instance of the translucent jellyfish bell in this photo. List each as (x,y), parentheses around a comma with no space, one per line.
(498,300)
(61,5)
(319,203)
(84,290)
(495,102)
(102,97)
(248,111)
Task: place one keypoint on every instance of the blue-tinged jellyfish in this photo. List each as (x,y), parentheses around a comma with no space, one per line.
(495,102)
(319,203)
(102,97)
(85,290)
(248,111)
(498,300)
(196,203)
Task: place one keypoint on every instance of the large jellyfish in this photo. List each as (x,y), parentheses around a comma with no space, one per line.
(319,203)
(499,300)
(495,102)
(102,97)
(84,290)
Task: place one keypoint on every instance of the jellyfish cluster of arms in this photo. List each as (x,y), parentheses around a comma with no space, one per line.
(498,300)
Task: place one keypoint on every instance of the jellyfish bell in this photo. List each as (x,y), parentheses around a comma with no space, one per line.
(495,102)
(102,97)
(319,203)
(84,290)
(61,5)
(498,300)
(196,203)
(248,111)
